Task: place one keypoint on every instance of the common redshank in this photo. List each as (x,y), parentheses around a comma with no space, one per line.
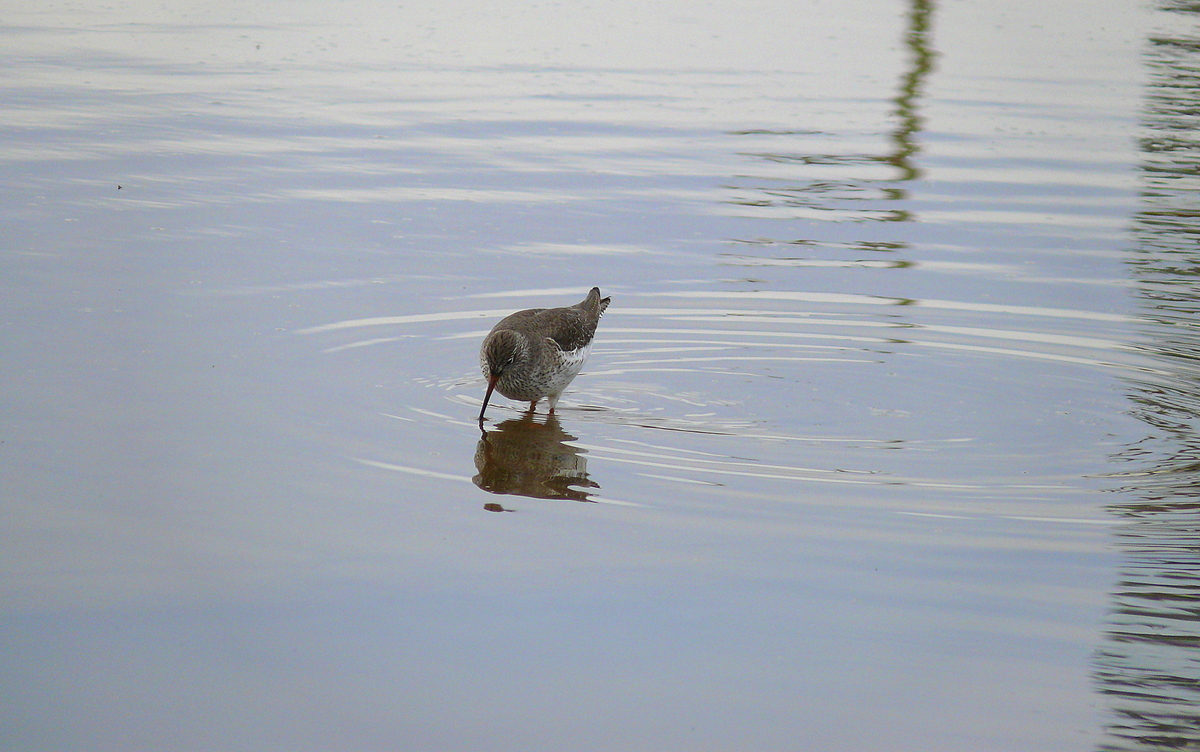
(535,353)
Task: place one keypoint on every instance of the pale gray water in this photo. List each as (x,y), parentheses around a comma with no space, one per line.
(888,439)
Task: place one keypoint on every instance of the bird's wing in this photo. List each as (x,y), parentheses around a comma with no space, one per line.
(572,331)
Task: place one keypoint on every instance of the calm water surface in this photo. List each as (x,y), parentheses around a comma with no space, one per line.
(888,439)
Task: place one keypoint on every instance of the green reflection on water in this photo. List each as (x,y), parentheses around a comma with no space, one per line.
(1149,664)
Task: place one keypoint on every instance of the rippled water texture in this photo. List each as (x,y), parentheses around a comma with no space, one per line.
(888,439)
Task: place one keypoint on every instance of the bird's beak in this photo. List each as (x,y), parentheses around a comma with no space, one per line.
(487,396)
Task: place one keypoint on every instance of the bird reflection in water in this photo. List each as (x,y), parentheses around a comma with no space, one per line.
(525,457)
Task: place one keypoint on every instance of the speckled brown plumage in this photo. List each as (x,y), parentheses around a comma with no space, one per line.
(536,353)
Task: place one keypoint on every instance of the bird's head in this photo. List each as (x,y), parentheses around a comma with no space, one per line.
(504,350)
